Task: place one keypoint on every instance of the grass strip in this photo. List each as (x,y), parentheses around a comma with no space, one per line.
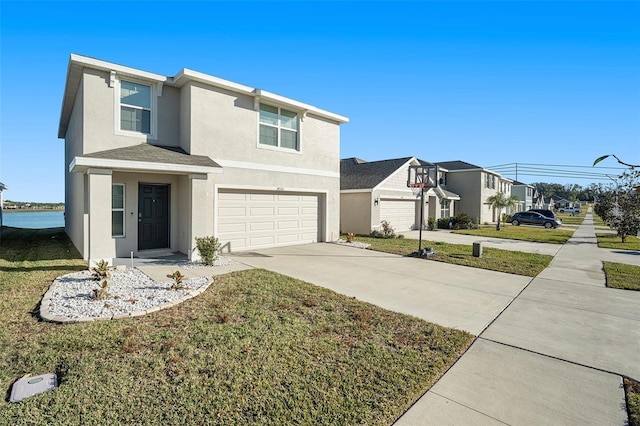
(568,219)
(256,348)
(537,234)
(613,241)
(623,276)
(512,262)
(632,392)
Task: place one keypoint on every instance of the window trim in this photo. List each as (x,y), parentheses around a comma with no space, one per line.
(153,116)
(444,209)
(279,128)
(113,209)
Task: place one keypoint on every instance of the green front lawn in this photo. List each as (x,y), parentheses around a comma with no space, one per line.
(536,234)
(255,348)
(567,219)
(512,262)
(620,275)
(613,241)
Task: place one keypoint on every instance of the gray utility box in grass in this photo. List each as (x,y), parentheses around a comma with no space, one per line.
(29,386)
(477,249)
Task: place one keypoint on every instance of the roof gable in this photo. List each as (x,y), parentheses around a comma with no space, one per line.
(359,174)
(457,165)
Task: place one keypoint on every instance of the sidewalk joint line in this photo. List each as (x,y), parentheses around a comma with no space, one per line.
(555,357)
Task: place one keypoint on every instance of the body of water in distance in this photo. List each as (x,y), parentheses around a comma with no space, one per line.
(34,220)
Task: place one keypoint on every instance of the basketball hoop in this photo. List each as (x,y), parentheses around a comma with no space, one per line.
(421,177)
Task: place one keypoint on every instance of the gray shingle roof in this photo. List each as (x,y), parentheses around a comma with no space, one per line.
(155,154)
(359,174)
(457,165)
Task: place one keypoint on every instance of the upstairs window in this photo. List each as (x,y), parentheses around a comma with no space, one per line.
(135,107)
(278,127)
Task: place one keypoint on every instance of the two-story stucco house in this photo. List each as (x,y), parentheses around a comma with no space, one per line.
(525,194)
(474,185)
(376,191)
(152,162)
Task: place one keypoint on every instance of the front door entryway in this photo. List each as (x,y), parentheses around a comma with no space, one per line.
(153,216)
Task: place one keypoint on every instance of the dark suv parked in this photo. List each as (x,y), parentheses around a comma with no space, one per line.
(534,218)
(543,212)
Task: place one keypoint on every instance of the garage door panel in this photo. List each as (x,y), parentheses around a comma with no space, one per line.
(233,227)
(261,197)
(261,226)
(251,220)
(259,242)
(232,211)
(262,211)
(292,211)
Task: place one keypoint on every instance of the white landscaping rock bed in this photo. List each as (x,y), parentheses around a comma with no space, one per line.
(353,244)
(132,293)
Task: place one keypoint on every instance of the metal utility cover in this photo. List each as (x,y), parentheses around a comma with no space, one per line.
(29,386)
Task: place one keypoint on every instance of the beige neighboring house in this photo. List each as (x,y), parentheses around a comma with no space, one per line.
(152,162)
(475,184)
(371,192)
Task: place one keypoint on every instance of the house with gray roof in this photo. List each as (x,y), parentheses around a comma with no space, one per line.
(152,162)
(475,184)
(372,192)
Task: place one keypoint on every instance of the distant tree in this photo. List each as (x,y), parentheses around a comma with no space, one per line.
(620,207)
(499,202)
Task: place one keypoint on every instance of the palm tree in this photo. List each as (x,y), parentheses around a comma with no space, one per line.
(499,202)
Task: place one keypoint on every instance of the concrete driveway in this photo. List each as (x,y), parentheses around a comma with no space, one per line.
(450,295)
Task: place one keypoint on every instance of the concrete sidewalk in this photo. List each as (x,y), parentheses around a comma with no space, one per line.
(554,356)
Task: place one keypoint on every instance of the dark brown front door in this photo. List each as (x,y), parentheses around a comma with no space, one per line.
(153,216)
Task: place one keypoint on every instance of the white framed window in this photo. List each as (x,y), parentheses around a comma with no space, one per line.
(445,208)
(278,128)
(136,109)
(117,210)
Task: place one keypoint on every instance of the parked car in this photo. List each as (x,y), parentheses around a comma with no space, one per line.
(534,218)
(570,210)
(543,212)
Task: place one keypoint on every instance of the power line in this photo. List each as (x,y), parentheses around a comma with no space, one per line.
(557,171)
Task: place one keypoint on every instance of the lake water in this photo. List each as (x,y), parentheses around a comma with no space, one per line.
(34,220)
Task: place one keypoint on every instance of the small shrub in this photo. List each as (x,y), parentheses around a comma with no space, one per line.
(376,234)
(387,229)
(178,281)
(400,236)
(461,221)
(431,223)
(350,237)
(208,248)
(100,293)
(101,272)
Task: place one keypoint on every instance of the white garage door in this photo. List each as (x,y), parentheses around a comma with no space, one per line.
(401,214)
(253,219)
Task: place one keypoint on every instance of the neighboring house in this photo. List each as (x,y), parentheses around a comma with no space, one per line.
(371,192)
(152,162)
(3,187)
(474,185)
(525,193)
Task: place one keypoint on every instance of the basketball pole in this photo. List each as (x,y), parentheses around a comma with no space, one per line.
(421,220)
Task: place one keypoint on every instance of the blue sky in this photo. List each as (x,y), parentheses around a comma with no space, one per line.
(485,82)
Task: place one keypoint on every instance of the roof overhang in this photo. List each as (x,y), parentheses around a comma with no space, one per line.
(186,75)
(447,195)
(82,164)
